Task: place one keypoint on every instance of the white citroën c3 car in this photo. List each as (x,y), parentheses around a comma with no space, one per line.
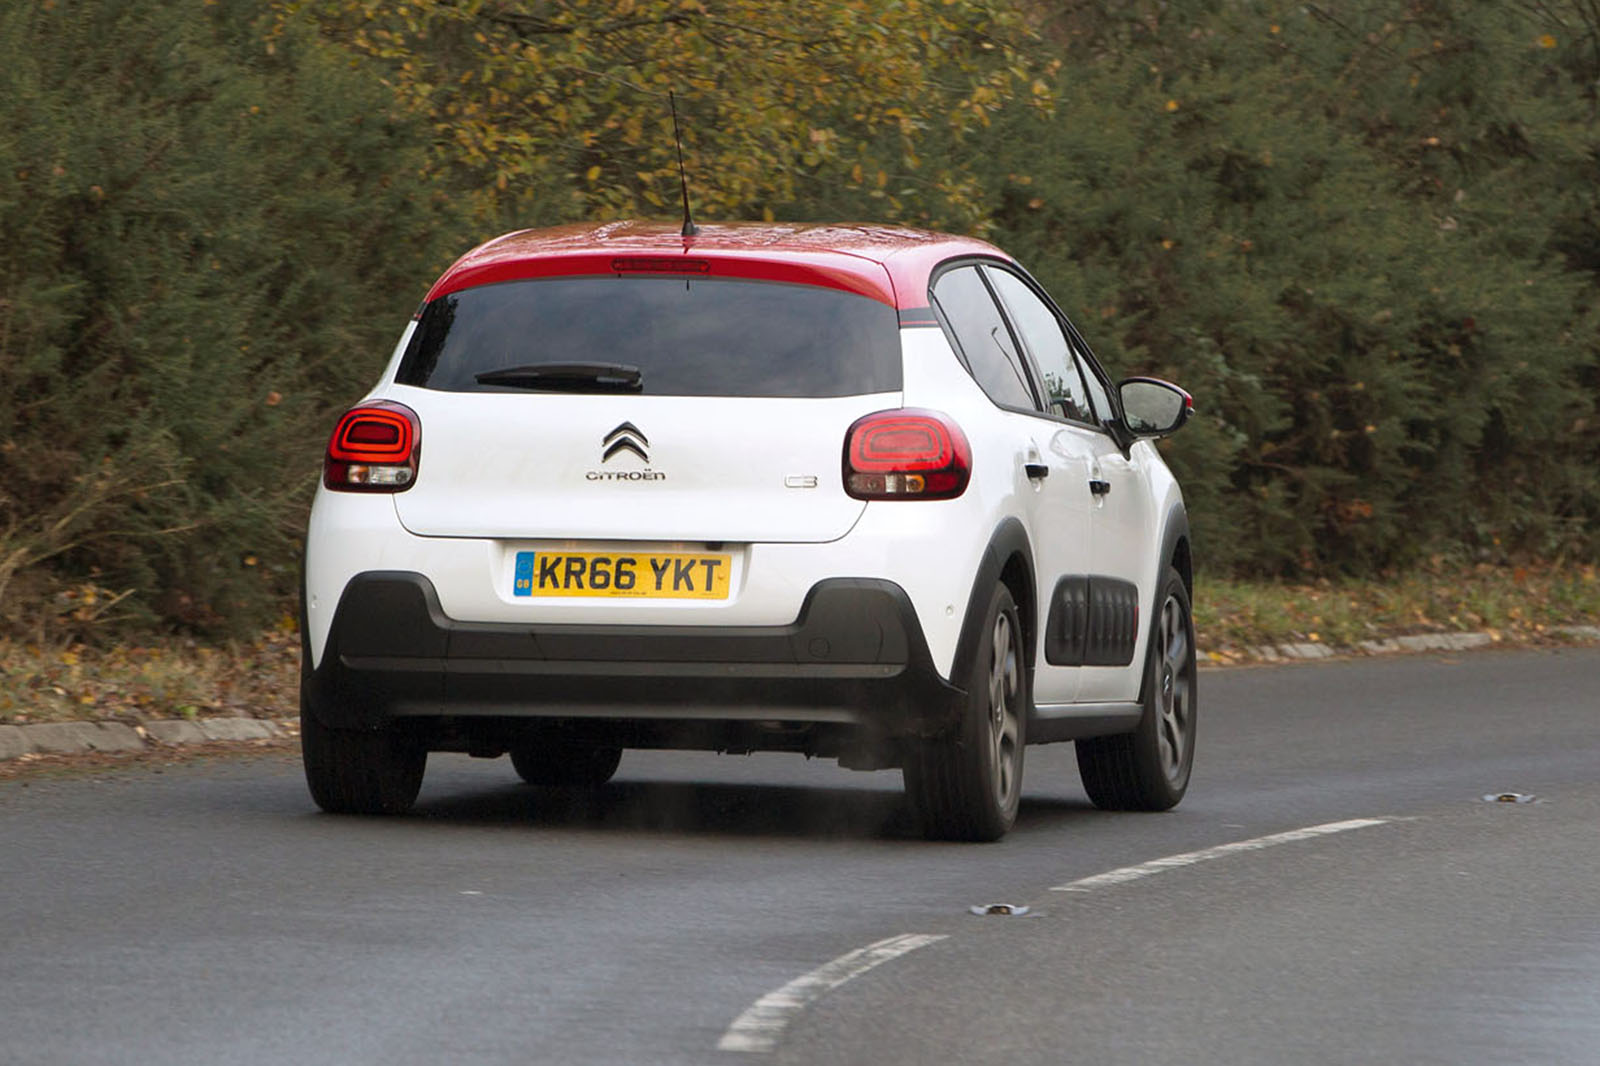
(851,491)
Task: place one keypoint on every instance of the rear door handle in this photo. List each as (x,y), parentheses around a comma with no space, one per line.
(1036,471)
(1098,487)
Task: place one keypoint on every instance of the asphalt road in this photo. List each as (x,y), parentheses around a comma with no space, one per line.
(206,914)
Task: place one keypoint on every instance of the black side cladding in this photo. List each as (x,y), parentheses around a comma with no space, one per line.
(1093,621)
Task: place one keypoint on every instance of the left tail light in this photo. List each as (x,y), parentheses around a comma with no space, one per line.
(374,448)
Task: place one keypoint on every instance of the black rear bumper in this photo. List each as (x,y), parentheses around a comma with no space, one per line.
(855,661)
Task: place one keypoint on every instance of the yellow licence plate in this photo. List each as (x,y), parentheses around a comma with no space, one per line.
(646,575)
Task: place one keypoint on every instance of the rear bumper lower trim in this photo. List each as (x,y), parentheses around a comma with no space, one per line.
(855,656)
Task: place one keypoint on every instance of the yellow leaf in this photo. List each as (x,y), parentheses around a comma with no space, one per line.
(592,174)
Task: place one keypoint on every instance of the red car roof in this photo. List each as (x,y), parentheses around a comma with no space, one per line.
(886,263)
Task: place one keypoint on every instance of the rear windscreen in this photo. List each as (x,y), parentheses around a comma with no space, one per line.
(687,337)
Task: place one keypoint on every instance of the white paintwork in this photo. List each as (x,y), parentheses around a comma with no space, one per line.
(1062,521)
(1126,536)
(353,533)
(503,472)
(530,465)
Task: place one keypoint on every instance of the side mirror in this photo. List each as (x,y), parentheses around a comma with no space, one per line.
(1152,407)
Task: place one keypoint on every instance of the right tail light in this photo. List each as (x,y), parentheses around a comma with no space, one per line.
(908,454)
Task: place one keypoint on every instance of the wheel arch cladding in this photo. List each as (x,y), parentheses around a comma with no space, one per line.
(1009,559)
(1175,551)
(1017,576)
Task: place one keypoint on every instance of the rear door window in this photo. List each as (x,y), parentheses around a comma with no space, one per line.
(984,338)
(687,337)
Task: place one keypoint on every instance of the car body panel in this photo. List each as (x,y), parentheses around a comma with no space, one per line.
(533,465)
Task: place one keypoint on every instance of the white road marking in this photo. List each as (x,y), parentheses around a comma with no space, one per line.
(1189,858)
(759,1028)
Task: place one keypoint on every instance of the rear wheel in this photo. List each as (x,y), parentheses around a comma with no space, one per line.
(967,786)
(570,765)
(1148,769)
(358,771)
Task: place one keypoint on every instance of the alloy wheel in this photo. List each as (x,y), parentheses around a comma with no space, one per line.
(1175,698)
(1005,726)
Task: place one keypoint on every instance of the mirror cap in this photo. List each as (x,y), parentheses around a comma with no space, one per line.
(1152,407)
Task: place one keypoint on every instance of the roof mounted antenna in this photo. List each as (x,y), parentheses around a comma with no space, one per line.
(689,228)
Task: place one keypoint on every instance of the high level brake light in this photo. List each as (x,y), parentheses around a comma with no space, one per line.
(659,264)
(373,449)
(907,454)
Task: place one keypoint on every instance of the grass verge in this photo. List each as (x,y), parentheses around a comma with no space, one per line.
(154,680)
(1516,605)
(177,679)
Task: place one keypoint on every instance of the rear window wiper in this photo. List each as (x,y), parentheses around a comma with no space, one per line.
(569,377)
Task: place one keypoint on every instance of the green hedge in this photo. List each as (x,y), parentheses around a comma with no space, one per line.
(1364,233)
(207,247)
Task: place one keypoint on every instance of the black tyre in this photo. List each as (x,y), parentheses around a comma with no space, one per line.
(1148,769)
(566,765)
(354,771)
(967,786)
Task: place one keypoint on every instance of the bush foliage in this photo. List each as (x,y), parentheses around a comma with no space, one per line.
(1364,233)
(207,247)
